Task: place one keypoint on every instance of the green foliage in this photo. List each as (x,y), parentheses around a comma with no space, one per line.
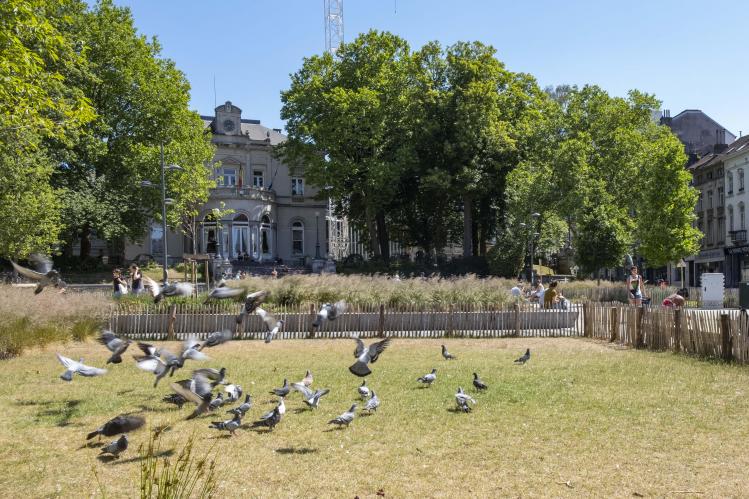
(188,476)
(507,256)
(602,238)
(18,334)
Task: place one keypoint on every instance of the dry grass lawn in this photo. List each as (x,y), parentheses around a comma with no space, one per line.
(581,419)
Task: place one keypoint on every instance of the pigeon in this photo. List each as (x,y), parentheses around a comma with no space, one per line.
(178,289)
(447,355)
(251,302)
(217,376)
(198,390)
(272,418)
(176,399)
(373,403)
(217,338)
(346,418)
(231,425)
(310,398)
(234,392)
(462,399)
(223,292)
(72,367)
(271,323)
(117,425)
(191,349)
(364,355)
(330,312)
(480,385)
(46,275)
(115,345)
(152,364)
(363,389)
(524,358)
(116,447)
(244,407)
(283,391)
(161,361)
(217,402)
(307,381)
(428,379)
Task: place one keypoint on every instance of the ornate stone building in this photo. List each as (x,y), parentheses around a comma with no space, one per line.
(273,213)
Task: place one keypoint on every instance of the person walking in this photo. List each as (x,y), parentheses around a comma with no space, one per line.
(634,287)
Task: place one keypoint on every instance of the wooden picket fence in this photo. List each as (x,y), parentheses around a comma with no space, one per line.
(163,321)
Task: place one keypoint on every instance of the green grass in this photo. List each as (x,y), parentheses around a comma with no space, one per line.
(609,421)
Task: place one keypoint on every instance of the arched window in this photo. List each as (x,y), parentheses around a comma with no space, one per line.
(210,234)
(730,183)
(741,179)
(730,218)
(240,231)
(265,219)
(297,238)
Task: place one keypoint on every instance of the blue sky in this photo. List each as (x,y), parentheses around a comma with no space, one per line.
(686,52)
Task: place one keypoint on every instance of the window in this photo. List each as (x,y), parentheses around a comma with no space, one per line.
(297,238)
(742,217)
(721,198)
(730,183)
(230,176)
(297,186)
(709,232)
(699,202)
(741,179)
(157,239)
(709,200)
(257,178)
(730,218)
(721,230)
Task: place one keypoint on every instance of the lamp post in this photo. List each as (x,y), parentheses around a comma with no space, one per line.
(317,235)
(164,201)
(523,225)
(534,234)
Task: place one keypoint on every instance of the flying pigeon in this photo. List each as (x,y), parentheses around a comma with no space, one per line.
(346,418)
(152,364)
(217,338)
(116,447)
(231,425)
(462,399)
(178,289)
(198,390)
(373,403)
(364,355)
(307,381)
(73,367)
(363,389)
(480,385)
(428,379)
(115,345)
(117,425)
(46,275)
(161,361)
(524,358)
(244,407)
(251,302)
(223,292)
(271,323)
(217,376)
(447,355)
(330,312)
(234,392)
(283,391)
(310,398)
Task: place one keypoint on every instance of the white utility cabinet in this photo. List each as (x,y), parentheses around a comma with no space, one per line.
(713,286)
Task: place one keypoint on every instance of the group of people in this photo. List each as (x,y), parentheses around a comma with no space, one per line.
(547,298)
(636,289)
(120,283)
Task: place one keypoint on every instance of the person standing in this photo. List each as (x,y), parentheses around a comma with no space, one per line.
(634,287)
(136,277)
(119,284)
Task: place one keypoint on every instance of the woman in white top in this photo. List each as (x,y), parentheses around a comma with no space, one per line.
(634,287)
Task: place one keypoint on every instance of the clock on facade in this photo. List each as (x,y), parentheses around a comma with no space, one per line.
(228,125)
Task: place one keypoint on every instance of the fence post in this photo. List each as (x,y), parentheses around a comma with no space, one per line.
(614,324)
(638,327)
(725,338)
(516,314)
(311,333)
(677,329)
(586,321)
(449,330)
(172,320)
(381,326)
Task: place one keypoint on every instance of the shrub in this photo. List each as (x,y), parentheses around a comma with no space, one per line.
(188,476)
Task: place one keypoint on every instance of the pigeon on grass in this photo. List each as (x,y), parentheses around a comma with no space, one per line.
(272,418)
(176,399)
(373,403)
(363,389)
(283,391)
(346,418)
(428,379)
(251,302)
(117,425)
(72,367)
(447,355)
(312,399)
(230,425)
(478,383)
(116,447)
(242,408)
(366,354)
(462,399)
(307,381)
(115,345)
(234,392)
(328,312)
(281,407)
(524,358)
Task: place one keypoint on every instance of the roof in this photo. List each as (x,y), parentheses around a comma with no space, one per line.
(699,111)
(738,146)
(252,129)
(705,161)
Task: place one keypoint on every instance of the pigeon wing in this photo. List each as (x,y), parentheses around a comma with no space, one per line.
(27,273)
(359,347)
(42,263)
(270,321)
(375,349)
(306,392)
(89,371)
(151,364)
(152,285)
(187,394)
(110,340)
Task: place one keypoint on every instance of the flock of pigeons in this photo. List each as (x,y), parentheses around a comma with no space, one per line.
(198,390)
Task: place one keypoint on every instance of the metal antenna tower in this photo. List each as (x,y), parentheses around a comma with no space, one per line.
(333,25)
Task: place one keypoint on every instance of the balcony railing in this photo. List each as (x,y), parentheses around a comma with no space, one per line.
(737,236)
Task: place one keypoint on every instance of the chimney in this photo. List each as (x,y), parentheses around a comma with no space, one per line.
(720,141)
(666,117)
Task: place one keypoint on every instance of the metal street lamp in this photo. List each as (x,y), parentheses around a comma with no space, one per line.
(535,217)
(317,235)
(523,225)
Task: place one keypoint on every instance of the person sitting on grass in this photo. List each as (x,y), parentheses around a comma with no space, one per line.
(553,298)
(537,295)
(674,301)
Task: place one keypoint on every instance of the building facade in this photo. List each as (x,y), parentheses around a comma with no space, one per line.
(697,131)
(736,161)
(271,212)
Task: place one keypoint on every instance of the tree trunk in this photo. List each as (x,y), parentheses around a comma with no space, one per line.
(85,242)
(382,236)
(467,226)
(475,237)
(372,231)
